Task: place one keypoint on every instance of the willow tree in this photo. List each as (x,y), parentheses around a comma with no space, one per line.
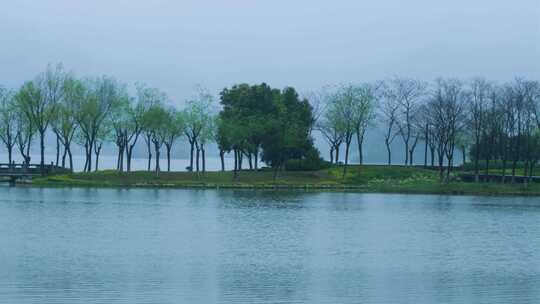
(330,126)
(208,134)
(156,120)
(174,129)
(364,114)
(38,100)
(100,97)
(148,99)
(8,121)
(354,105)
(120,125)
(197,115)
(64,123)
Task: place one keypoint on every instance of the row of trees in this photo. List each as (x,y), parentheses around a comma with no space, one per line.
(488,120)
(254,121)
(92,111)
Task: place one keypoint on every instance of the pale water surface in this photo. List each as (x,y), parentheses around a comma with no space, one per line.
(187,246)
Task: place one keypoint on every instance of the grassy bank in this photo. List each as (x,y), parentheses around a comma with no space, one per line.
(382,179)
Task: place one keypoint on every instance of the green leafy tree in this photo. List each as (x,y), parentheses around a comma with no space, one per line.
(64,123)
(100,97)
(288,133)
(197,115)
(8,121)
(156,120)
(174,129)
(244,113)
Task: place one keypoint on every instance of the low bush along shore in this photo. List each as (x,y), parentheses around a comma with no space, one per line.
(396,179)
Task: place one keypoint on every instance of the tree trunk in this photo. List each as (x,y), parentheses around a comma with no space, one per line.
(486,172)
(122,159)
(406,153)
(42,148)
(203,159)
(477,161)
(448,169)
(389,153)
(240,160)
(359,141)
(222,158)
(149,149)
(235,163)
(197,158)
(129,151)
(168,157)
(70,159)
(464,154)
(57,150)
(64,155)
(426,143)
(256,159)
(347,145)
(337,154)
(10,154)
(531,170)
(192,146)
(97,162)
(97,151)
(85,157)
(440,159)
(156,149)
(250,161)
(256,156)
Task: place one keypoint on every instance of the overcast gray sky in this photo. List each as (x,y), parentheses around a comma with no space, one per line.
(174,45)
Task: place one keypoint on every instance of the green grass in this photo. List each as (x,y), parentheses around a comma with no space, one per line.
(395,179)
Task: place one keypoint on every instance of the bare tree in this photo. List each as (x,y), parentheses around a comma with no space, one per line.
(446,110)
(389,108)
(479,90)
(408,93)
(318,101)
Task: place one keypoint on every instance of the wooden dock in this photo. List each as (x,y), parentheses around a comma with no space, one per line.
(12,172)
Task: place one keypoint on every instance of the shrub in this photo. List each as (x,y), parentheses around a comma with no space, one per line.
(493,164)
(311,162)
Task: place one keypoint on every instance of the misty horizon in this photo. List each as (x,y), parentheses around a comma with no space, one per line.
(174,46)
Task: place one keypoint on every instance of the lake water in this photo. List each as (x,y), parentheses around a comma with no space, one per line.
(204,246)
(109,162)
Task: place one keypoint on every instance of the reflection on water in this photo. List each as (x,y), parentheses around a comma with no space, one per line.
(137,163)
(194,246)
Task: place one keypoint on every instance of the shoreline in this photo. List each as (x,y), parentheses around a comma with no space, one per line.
(453,188)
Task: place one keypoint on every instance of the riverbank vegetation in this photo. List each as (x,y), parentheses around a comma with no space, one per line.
(494,125)
(366,178)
